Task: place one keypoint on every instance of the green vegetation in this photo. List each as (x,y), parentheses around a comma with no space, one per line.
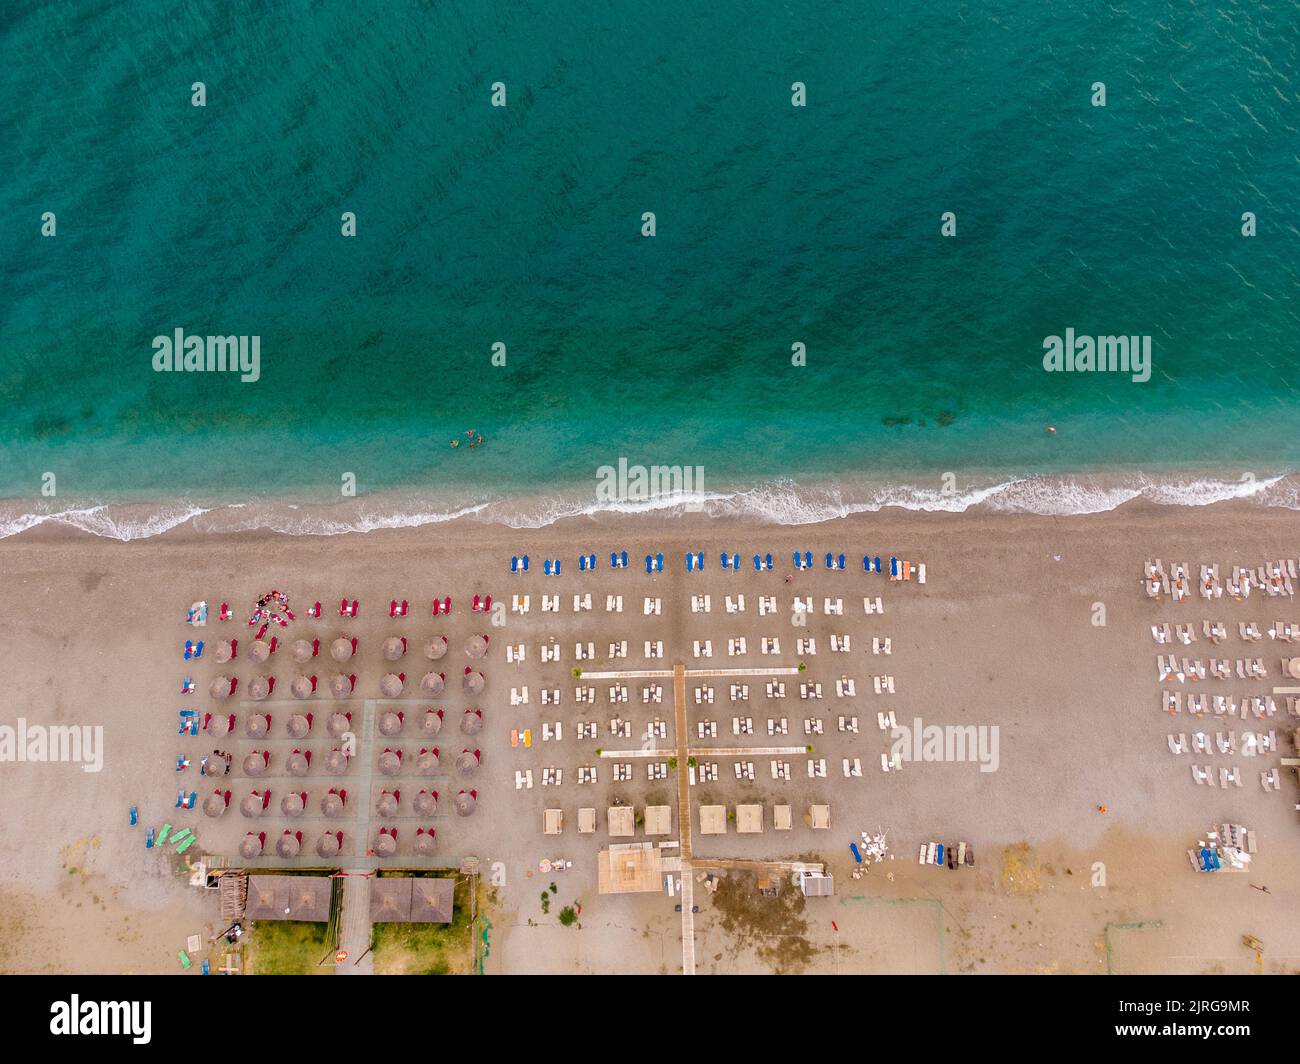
(568,916)
(287,947)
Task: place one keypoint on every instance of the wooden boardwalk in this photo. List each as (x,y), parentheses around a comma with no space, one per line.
(355,927)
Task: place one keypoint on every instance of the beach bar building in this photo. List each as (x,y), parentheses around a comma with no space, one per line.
(630,868)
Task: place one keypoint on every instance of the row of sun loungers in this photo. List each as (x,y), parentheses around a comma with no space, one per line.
(1260,706)
(1253,744)
(1168,668)
(1217,632)
(1276,578)
(898,569)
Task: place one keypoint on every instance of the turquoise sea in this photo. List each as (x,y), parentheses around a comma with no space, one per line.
(775,224)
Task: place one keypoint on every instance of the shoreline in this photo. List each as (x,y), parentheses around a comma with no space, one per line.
(781,503)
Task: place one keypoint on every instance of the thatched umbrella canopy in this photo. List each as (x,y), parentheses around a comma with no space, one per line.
(328,844)
(332,806)
(432,900)
(390,723)
(424,844)
(296,764)
(433,684)
(292,804)
(301,687)
(337,725)
(467,762)
(394,648)
(473,683)
(432,723)
(336,762)
(252,805)
(391,685)
(471,721)
(425,804)
(255,763)
(390,900)
(385,845)
(224,652)
(476,646)
(341,649)
(260,651)
(288,845)
(256,725)
(259,688)
(219,725)
(250,846)
(298,726)
(386,806)
(302,651)
(465,802)
(341,686)
(389,763)
(219,687)
(214,805)
(436,647)
(428,762)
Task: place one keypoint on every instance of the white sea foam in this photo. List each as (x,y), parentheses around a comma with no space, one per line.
(781,502)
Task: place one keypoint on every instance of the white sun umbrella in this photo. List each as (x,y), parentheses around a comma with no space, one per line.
(391,685)
(467,762)
(394,648)
(219,688)
(341,686)
(471,721)
(328,844)
(292,804)
(296,764)
(473,682)
(250,846)
(336,763)
(432,723)
(219,725)
(390,723)
(385,845)
(301,687)
(341,649)
(428,762)
(214,805)
(386,806)
(425,804)
(256,725)
(389,763)
(288,845)
(298,726)
(465,802)
(255,763)
(302,651)
(259,688)
(424,844)
(436,647)
(433,684)
(476,646)
(260,651)
(338,724)
(224,652)
(332,806)
(251,805)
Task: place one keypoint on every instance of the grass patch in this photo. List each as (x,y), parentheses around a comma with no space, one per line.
(286,947)
(427,949)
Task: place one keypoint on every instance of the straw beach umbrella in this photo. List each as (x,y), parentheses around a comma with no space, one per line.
(338,724)
(389,763)
(288,845)
(425,804)
(391,685)
(465,802)
(257,725)
(476,646)
(332,806)
(260,651)
(424,844)
(436,647)
(428,762)
(432,723)
(250,846)
(224,652)
(298,726)
(297,764)
(292,805)
(259,688)
(301,687)
(252,805)
(336,763)
(471,721)
(385,845)
(467,762)
(341,649)
(219,725)
(219,688)
(341,686)
(214,805)
(255,763)
(390,723)
(473,683)
(387,805)
(433,684)
(328,844)
(303,651)
(394,648)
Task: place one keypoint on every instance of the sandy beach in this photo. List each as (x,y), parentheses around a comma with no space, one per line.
(1002,634)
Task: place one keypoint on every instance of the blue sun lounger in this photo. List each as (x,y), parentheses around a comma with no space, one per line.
(866,563)
(830,560)
(613,559)
(767,562)
(582,563)
(690,562)
(659,563)
(758,564)
(853,849)
(546,567)
(622,563)
(649,564)
(726,560)
(557,566)
(840,560)
(514,563)
(893,568)
(798,560)
(524,563)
